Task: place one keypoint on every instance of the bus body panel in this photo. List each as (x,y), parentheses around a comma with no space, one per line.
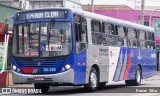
(98,55)
(80,68)
(59,78)
(124,61)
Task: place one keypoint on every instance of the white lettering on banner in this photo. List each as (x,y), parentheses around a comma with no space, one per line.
(54,48)
(54,14)
(20,91)
(34,15)
(42,15)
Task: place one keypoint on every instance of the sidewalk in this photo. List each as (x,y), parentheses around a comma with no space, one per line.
(22,85)
(155,77)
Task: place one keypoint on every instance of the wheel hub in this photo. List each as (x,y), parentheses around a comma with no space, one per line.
(93,80)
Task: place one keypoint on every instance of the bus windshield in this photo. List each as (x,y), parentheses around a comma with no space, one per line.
(44,39)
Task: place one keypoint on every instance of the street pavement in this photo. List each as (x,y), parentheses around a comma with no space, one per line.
(118,88)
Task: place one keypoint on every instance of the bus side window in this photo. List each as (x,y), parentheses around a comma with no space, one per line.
(81,33)
(142,39)
(132,38)
(77,27)
(96,32)
(121,36)
(108,34)
(150,41)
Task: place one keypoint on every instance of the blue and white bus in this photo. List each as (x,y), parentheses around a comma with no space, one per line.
(61,46)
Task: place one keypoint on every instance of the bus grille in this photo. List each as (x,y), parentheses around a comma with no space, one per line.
(39,64)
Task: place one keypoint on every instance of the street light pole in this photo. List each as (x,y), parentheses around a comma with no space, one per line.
(150,17)
(92,6)
(142,12)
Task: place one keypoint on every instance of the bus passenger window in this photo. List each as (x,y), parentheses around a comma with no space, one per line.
(134,43)
(152,45)
(107,28)
(96,32)
(120,42)
(111,40)
(105,41)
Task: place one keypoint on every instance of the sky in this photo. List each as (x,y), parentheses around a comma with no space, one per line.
(126,2)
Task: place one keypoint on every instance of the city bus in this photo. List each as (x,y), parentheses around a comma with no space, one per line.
(65,46)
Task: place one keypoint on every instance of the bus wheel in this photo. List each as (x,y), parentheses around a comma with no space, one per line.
(137,80)
(138,77)
(93,81)
(43,87)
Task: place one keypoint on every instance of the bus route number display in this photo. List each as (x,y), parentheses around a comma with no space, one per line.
(41,15)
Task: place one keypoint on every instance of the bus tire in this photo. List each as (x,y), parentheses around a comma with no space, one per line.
(137,80)
(43,87)
(93,81)
(138,76)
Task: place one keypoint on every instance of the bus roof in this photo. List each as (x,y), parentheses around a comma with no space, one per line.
(114,20)
(102,18)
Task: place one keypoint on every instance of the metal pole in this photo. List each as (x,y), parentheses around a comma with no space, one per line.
(92,6)
(150,19)
(142,12)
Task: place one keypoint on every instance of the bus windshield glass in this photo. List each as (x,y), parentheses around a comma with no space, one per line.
(44,39)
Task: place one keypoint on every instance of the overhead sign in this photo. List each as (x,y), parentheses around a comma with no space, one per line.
(41,14)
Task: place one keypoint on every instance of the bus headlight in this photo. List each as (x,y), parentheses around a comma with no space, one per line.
(67,66)
(14,67)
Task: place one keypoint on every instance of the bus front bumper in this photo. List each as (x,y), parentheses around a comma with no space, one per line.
(65,77)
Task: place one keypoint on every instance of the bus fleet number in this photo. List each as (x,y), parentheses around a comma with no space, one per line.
(49,69)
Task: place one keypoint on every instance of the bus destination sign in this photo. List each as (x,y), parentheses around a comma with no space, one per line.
(41,15)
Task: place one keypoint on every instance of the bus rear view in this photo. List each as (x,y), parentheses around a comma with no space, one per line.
(42,48)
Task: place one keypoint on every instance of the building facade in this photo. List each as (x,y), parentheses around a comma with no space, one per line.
(6,12)
(34,4)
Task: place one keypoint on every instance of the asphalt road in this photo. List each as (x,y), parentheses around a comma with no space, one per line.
(149,87)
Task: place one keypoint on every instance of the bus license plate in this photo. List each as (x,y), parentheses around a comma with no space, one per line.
(39,78)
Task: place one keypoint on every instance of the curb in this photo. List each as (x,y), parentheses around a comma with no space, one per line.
(152,79)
